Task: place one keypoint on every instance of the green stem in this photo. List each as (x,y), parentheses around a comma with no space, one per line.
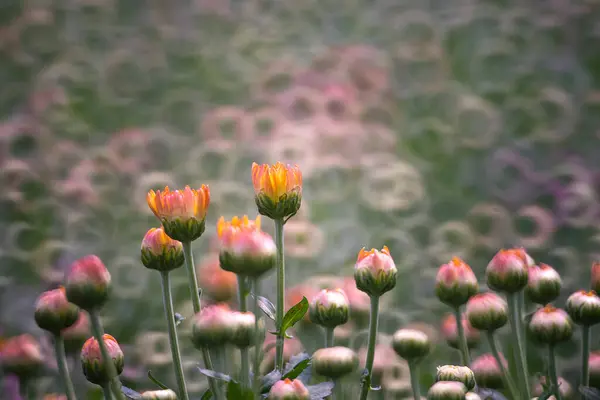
(98,332)
(244,352)
(517,339)
(191,273)
(552,371)
(63,370)
(257,338)
(508,382)
(522,313)
(585,355)
(25,389)
(214,387)
(173,340)
(414,379)
(280,294)
(107,392)
(338,393)
(373,321)
(329,337)
(462,339)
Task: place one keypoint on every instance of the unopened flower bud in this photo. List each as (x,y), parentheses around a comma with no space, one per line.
(455,283)
(411,344)
(564,387)
(594,363)
(212,326)
(447,391)
(160,252)
(216,283)
(329,308)
(94,367)
(334,362)
(53,312)
(508,270)
(278,189)
(550,325)
(450,332)
(584,308)
(75,335)
(245,249)
(359,301)
(595,278)
(243,332)
(21,355)
(472,396)
(375,272)
(166,394)
(543,285)
(487,311)
(88,283)
(289,390)
(488,373)
(457,374)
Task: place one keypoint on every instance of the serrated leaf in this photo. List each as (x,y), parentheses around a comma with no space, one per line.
(269,380)
(235,391)
(589,393)
(130,393)
(267,307)
(214,374)
(207,395)
(320,391)
(296,366)
(293,315)
(156,381)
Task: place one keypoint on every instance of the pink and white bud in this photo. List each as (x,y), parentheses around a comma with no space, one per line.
(447,391)
(508,270)
(92,362)
(375,272)
(359,301)
(75,335)
(216,283)
(212,326)
(21,355)
(456,373)
(243,329)
(584,308)
(487,311)
(329,308)
(543,284)
(411,344)
(88,283)
(289,390)
(550,325)
(334,362)
(166,394)
(53,312)
(487,371)
(160,252)
(455,283)
(450,332)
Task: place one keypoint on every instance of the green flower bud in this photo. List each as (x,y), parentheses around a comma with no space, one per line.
(411,344)
(329,308)
(447,391)
(243,332)
(508,270)
(487,371)
(160,252)
(487,311)
(375,272)
(167,394)
(94,367)
(334,362)
(543,285)
(455,283)
(53,312)
(550,325)
(212,326)
(289,390)
(88,283)
(456,374)
(584,308)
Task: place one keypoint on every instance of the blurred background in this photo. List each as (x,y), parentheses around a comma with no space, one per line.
(439,128)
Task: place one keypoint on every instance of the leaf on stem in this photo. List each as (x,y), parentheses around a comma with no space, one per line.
(235,391)
(294,314)
(267,307)
(320,391)
(130,393)
(207,395)
(156,381)
(296,366)
(214,374)
(589,393)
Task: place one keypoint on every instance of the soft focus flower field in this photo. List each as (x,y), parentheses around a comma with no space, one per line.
(439,129)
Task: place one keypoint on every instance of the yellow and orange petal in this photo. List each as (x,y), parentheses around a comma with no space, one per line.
(364,253)
(237,224)
(276,180)
(186,204)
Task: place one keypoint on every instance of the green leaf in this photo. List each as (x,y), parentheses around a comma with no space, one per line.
(235,391)
(207,395)
(269,380)
(296,366)
(130,393)
(156,381)
(294,314)
(267,307)
(214,374)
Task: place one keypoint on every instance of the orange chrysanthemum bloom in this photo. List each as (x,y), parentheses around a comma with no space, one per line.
(278,189)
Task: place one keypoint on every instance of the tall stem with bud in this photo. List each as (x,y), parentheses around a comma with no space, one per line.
(517,330)
(508,382)
(244,353)
(373,323)
(114,384)
(191,273)
(61,360)
(257,338)
(462,339)
(280,293)
(585,355)
(552,372)
(414,379)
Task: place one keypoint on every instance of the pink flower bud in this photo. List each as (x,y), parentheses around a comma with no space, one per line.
(375,272)
(94,367)
(88,283)
(487,311)
(595,279)
(487,371)
(411,344)
(243,329)
(212,326)
(594,363)
(472,396)
(543,285)
(564,387)
(166,394)
(75,335)
(329,308)
(334,362)
(21,355)
(508,270)
(160,252)
(456,373)
(216,283)
(584,308)
(53,312)
(289,390)
(450,332)
(444,390)
(455,283)
(550,325)
(360,303)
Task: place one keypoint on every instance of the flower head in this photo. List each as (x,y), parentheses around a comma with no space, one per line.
(543,285)
(216,283)
(584,308)
(53,312)
(455,283)
(487,311)
(182,212)
(375,272)
(212,326)
(411,344)
(21,355)
(450,332)
(329,308)
(243,332)
(507,272)
(76,334)
(550,325)
(88,283)
(488,373)
(160,252)
(278,189)
(447,390)
(289,390)
(334,362)
(457,374)
(92,362)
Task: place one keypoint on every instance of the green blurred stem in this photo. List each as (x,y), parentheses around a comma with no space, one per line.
(329,337)
(63,370)
(191,273)
(212,383)
(523,313)
(107,392)
(552,371)
(462,339)
(373,322)
(280,294)
(257,338)
(508,381)
(25,389)
(244,352)
(173,340)
(337,390)
(98,332)
(414,379)
(585,355)
(517,339)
